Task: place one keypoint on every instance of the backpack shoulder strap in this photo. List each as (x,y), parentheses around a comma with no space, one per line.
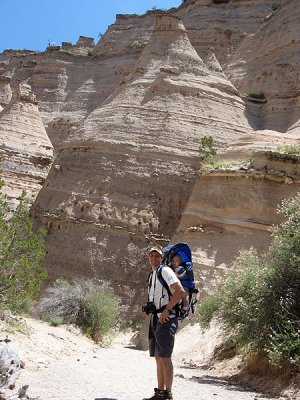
(149,282)
(162,281)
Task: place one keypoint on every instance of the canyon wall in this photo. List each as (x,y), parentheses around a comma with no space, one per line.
(25,147)
(125,118)
(231,210)
(122,181)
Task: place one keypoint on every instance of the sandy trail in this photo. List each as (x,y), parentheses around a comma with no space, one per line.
(120,373)
(63,365)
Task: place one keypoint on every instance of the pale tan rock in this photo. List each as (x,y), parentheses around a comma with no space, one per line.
(127,174)
(24,144)
(272,69)
(230,211)
(126,117)
(5,91)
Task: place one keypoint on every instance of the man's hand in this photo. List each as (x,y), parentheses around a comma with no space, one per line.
(164,316)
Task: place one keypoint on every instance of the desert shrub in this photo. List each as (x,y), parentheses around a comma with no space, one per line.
(101,312)
(84,303)
(21,254)
(207,150)
(259,303)
(236,301)
(285,343)
(56,321)
(10,323)
(209,308)
(289,149)
(259,96)
(64,300)
(275,6)
(215,163)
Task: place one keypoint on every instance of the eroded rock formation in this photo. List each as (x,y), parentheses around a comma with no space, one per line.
(128,173)
(126,117)
(233,210)
(272,70)
(25,146)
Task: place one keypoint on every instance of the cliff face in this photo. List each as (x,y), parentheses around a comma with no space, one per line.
(25,147)
(125,118)
(71,81)
(272,70)
(233,210)
(127,174)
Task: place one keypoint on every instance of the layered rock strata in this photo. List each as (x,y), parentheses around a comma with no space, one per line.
(70,81)
(269,77)
(67,86)
(25,146)
(223,25)
(233,210)
(126,117)
(122,181)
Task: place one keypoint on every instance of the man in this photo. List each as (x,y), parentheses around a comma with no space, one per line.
(163,323)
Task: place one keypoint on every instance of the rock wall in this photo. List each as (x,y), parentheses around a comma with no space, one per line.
(272,70)
(122,181)
(233,210)
(25,146)
(125,118)
(71,81)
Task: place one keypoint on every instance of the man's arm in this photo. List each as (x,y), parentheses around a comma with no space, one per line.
(178,291)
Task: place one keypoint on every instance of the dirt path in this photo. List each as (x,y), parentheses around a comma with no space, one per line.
(64,365)
(120,373)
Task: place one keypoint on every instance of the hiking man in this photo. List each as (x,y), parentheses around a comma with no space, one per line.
(162,298)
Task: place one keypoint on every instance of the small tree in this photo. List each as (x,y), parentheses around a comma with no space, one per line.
(207,150)
(21,255)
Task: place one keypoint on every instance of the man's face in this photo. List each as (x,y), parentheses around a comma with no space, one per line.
(155,259)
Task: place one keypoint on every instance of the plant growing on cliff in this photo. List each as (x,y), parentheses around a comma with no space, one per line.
(275,7)
(259,303)
(258,96)
(289,149)
(21,254)
(85,303)
(207,150)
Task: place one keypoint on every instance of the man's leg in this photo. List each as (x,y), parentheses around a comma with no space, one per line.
(164,343)
(160,373)
(167,367)
(159,392)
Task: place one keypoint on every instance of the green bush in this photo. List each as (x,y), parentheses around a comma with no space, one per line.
(84,303)
(56,321)
(289,149)
(259,303)
(21,254)
(102,312)
(208,308)
(259,96)
(285,343)
(10,323)
(207,150)
(275,6)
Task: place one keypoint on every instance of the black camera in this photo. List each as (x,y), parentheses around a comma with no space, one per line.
(149,308)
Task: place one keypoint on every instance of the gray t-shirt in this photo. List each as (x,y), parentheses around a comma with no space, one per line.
(157,292)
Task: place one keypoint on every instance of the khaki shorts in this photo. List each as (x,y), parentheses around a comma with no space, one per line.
(162,337)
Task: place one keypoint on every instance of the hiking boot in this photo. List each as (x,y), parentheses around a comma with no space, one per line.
(167,395)
(161,395)
(158,395)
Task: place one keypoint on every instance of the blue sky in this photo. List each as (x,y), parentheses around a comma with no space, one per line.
(32,24)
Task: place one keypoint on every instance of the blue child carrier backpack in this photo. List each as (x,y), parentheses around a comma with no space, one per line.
(187,281)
